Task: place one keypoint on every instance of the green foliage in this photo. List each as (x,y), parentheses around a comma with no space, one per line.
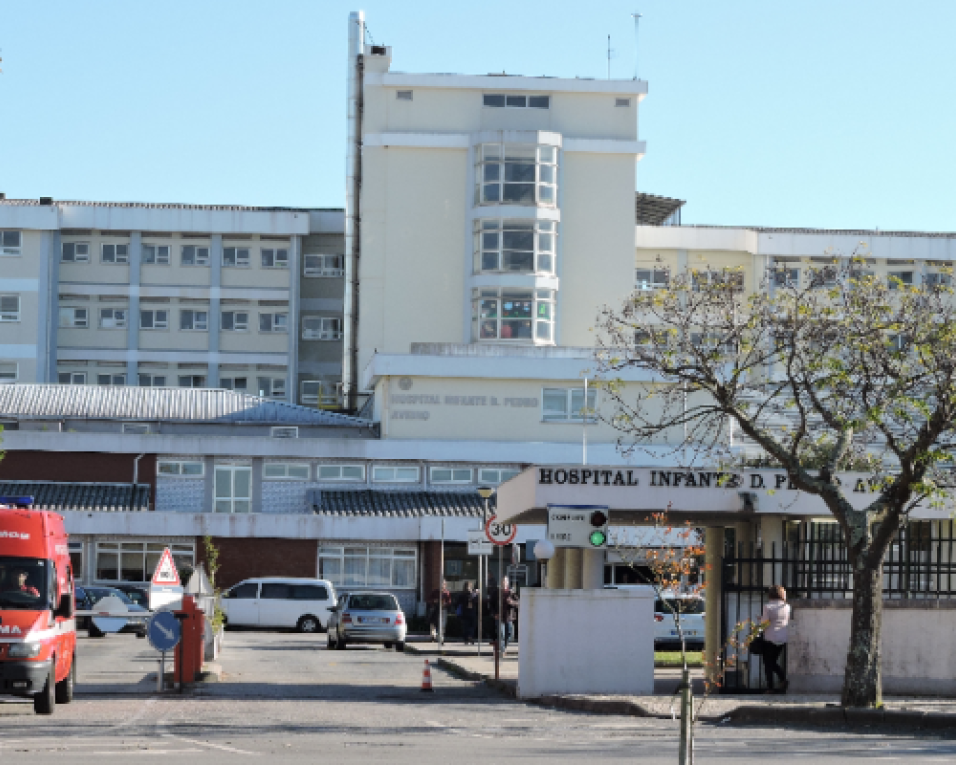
(211,556)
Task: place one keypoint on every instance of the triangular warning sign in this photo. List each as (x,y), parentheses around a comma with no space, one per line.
(166,572)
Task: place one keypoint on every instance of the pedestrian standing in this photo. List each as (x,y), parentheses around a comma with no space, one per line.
(491,604)
(509,600)
(777,614)
(468,606)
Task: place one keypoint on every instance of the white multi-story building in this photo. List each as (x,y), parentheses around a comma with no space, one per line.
(248,299)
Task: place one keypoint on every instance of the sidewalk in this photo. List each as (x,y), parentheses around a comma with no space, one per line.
(805,709)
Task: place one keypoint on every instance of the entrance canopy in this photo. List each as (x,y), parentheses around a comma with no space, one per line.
(699,495)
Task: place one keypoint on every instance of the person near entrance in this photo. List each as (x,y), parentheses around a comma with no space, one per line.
(443,598)
(506,627)
(468,604)
(777,614)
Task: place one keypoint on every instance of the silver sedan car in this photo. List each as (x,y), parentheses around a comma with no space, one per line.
(367,617)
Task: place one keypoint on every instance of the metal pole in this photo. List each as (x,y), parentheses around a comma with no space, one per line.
(499,623)
(441,589)
(686,753)
(481,594)
(162,672)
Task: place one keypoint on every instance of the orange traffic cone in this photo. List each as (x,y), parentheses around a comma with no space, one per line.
(427,678)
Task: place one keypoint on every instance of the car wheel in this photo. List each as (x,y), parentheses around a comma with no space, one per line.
(400,646)
(329,642)
(309,624)
(340,643)
(95,632)
(64,688)
(45,701)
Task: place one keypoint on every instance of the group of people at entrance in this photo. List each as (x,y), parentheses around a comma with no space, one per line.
(466,605)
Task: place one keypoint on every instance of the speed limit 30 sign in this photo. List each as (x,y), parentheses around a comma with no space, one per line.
(500,534)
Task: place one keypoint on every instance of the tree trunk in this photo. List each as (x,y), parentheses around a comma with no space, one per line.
(863,682)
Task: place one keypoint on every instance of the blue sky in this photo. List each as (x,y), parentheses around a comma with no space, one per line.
(822,114)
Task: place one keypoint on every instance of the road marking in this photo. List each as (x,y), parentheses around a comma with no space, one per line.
(221,747)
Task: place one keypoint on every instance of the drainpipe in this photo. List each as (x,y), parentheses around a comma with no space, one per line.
(353,185)
(132,494)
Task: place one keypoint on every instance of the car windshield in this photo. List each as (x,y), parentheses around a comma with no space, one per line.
(373,603)
(23,583)
(98,593)
(681,606)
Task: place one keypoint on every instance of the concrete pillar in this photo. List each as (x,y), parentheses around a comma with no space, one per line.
(592,575)
(556,570)
(713,640)
(573,568)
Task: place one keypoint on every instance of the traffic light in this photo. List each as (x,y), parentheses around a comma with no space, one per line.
(598,536)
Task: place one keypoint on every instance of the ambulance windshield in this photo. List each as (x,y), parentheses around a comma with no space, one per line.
(23,583)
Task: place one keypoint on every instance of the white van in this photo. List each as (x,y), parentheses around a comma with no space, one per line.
(279,602)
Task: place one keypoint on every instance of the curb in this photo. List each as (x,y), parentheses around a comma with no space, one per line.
(831,716)
(507,687)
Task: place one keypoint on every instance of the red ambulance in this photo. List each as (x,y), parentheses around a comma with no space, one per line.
(37,625)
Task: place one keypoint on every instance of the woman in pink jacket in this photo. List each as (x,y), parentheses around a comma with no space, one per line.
(777,613)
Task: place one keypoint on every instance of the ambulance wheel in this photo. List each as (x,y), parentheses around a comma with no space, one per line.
(45,701)
(64,688)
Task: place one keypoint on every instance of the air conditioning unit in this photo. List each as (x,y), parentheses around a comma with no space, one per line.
(289,432)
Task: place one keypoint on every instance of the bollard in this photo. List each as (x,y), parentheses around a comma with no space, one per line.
(189,656)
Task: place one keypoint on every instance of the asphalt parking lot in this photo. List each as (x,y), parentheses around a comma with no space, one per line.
(284,696)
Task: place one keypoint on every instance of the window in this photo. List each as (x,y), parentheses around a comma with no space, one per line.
(273,322)
(515,246)
(321,328)
(495,475)
(823,277)
(192,255)
(341,473)
(112,318)
(276,591)
(115,253)
(192,381)
(184,469)
(111,379)
(622,102)
(76,252)
(136,428)
(508,314)
(10,243)
(287,471)
(9,308)
(197,321)
(154,319)
(136,561)
(285,432)
(724,278)
(565,405)
(275,258)
(899,279)
(320,393)
(403,95)
(271,387)
(235,321)
(363,566)
(247,591)
(156,254)
(407,474)
(235,257)
(239,384)
(498,100)
(71,378)
(786,277)
(233,489)
(9,371)
(324,265)
(518,174)
(935,279)
(149,380)
(450,475)
(74,317)
(652,278)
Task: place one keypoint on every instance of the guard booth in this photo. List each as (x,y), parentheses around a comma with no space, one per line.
(760,531)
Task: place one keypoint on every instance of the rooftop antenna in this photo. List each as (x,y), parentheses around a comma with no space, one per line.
(637,20)
(609,54)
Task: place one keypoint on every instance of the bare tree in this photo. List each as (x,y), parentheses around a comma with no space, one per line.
(814,371)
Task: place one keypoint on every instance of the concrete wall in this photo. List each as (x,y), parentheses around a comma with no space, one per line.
(586,641)
(919,654)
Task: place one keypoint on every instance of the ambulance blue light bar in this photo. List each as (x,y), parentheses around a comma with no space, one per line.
(22,502)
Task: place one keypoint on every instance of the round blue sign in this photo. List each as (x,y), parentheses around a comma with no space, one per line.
(163,631)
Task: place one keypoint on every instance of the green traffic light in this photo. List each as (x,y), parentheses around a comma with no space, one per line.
(597,538)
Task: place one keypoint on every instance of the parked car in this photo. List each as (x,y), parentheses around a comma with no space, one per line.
(691,610)
(367,617)
(88,597)
(278,602)
(139,595)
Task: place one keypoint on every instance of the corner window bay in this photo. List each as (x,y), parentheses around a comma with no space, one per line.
(514,314)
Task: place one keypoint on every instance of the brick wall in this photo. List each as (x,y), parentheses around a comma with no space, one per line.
(79,467)
(244,558)
(431,557)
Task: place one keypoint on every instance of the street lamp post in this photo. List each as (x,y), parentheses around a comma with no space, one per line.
(485,493)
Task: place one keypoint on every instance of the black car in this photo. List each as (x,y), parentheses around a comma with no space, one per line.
(139,595)
(87,597)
